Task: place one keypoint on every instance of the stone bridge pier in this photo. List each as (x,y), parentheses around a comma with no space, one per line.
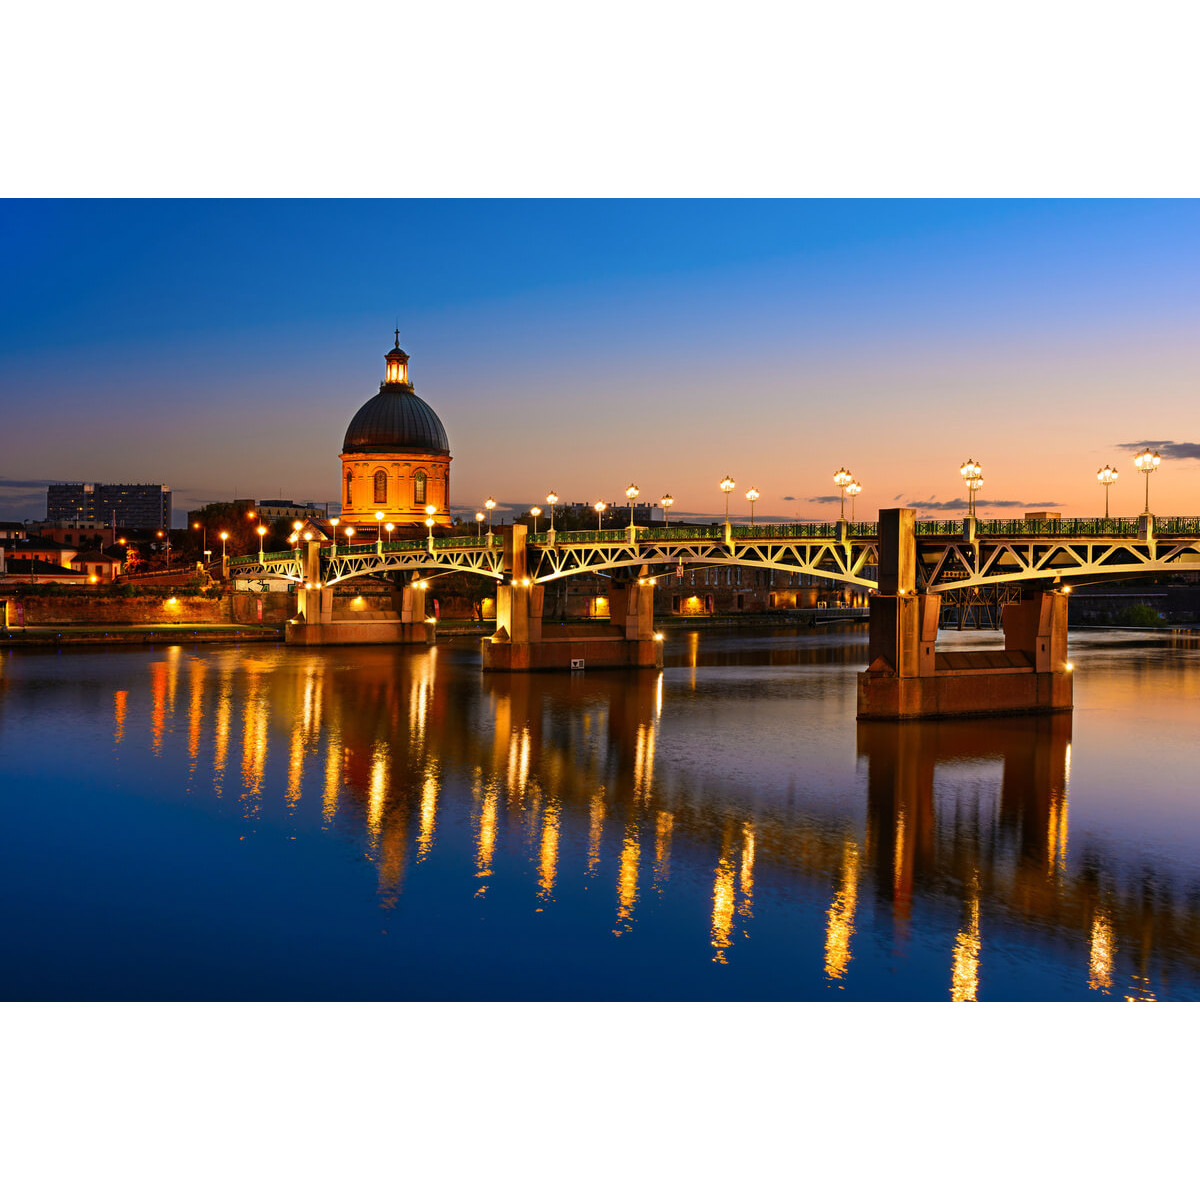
(319,623)
(520,642)
(908,678)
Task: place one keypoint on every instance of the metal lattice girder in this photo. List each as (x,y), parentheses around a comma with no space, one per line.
(845,562)
(473,560)
(945,563)
(951,565)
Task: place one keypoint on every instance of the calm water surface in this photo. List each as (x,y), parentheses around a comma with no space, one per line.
(265,823)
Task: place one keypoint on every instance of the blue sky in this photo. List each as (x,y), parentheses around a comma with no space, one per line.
(583,345)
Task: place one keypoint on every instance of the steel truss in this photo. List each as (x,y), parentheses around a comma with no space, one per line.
(950,566)
(944,565)
(845,562)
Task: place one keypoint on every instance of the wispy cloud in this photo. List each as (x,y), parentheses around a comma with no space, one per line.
(1166,448)
(932,505)
(822,499)
(789,498)
(24,485)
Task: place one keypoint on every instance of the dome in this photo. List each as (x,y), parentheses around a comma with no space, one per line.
(395,420)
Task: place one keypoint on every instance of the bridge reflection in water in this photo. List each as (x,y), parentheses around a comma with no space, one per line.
(548,781)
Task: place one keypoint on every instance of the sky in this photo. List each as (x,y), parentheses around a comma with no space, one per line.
(221,348)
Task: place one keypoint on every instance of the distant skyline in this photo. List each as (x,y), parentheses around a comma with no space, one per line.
(583,345)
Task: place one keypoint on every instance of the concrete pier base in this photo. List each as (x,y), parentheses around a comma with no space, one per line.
(910,680)
(315,624)
(521,644)
(358,633)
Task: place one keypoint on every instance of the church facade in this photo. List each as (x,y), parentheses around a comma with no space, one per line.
(395,456)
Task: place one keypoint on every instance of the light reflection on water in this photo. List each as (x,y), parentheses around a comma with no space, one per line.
(720,829)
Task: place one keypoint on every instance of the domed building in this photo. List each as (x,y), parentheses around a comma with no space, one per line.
(395,456)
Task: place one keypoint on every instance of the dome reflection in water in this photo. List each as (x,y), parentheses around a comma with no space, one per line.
(380,822)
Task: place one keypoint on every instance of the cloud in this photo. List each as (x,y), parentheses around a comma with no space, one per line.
(959,505)
(25,485)
(1166,448)
(789,497)
(822,499)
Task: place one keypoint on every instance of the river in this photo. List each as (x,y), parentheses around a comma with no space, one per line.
(370,823)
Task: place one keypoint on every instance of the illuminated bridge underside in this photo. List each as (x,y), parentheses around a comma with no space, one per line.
(945,563)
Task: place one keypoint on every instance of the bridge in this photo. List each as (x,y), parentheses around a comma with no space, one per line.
(907,566)
(950,555)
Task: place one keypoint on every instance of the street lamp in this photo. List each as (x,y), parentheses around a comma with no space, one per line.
(972,473)
(224,549)
(535,512)
(203,537)
(1146,462)
(600,507)
(727,486)
(852,489)
(262,532)
(489,504)
(334,522)
(752,495)
(843,479)
(665,504)
(479,524)
(632,492)
(552,500)
(1107,476)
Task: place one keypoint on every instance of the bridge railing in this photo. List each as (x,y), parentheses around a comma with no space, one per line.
(575,537)
(938,528)
(1062,527)
(680,533)
(806,529)
(1177,525)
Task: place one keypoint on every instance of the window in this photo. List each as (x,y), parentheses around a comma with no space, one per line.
(349,490)
(419,489)
(380,487)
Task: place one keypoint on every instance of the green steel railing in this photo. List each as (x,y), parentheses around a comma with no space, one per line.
(575,537)
(1177,525)
(938,528)
(680,533)
(1062,527)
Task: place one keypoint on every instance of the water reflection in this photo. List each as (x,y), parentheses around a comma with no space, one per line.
(954,844)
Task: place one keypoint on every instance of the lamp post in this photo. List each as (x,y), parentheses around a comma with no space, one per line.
(203,537)
(489,504)
(224,550)
(852,490)
(535,512)
(632,492)
(334,521)
(552,500)
(972,473)
(262,532)
(379,534)
(727,486)
(600,507)
(479,524)
(1107,476)
(843,479)
(752,495)
(429,526)
(665,504)
(1146,462)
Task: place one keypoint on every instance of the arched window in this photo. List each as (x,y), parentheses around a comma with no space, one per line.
(419,489)
(380,487)
(349,489)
